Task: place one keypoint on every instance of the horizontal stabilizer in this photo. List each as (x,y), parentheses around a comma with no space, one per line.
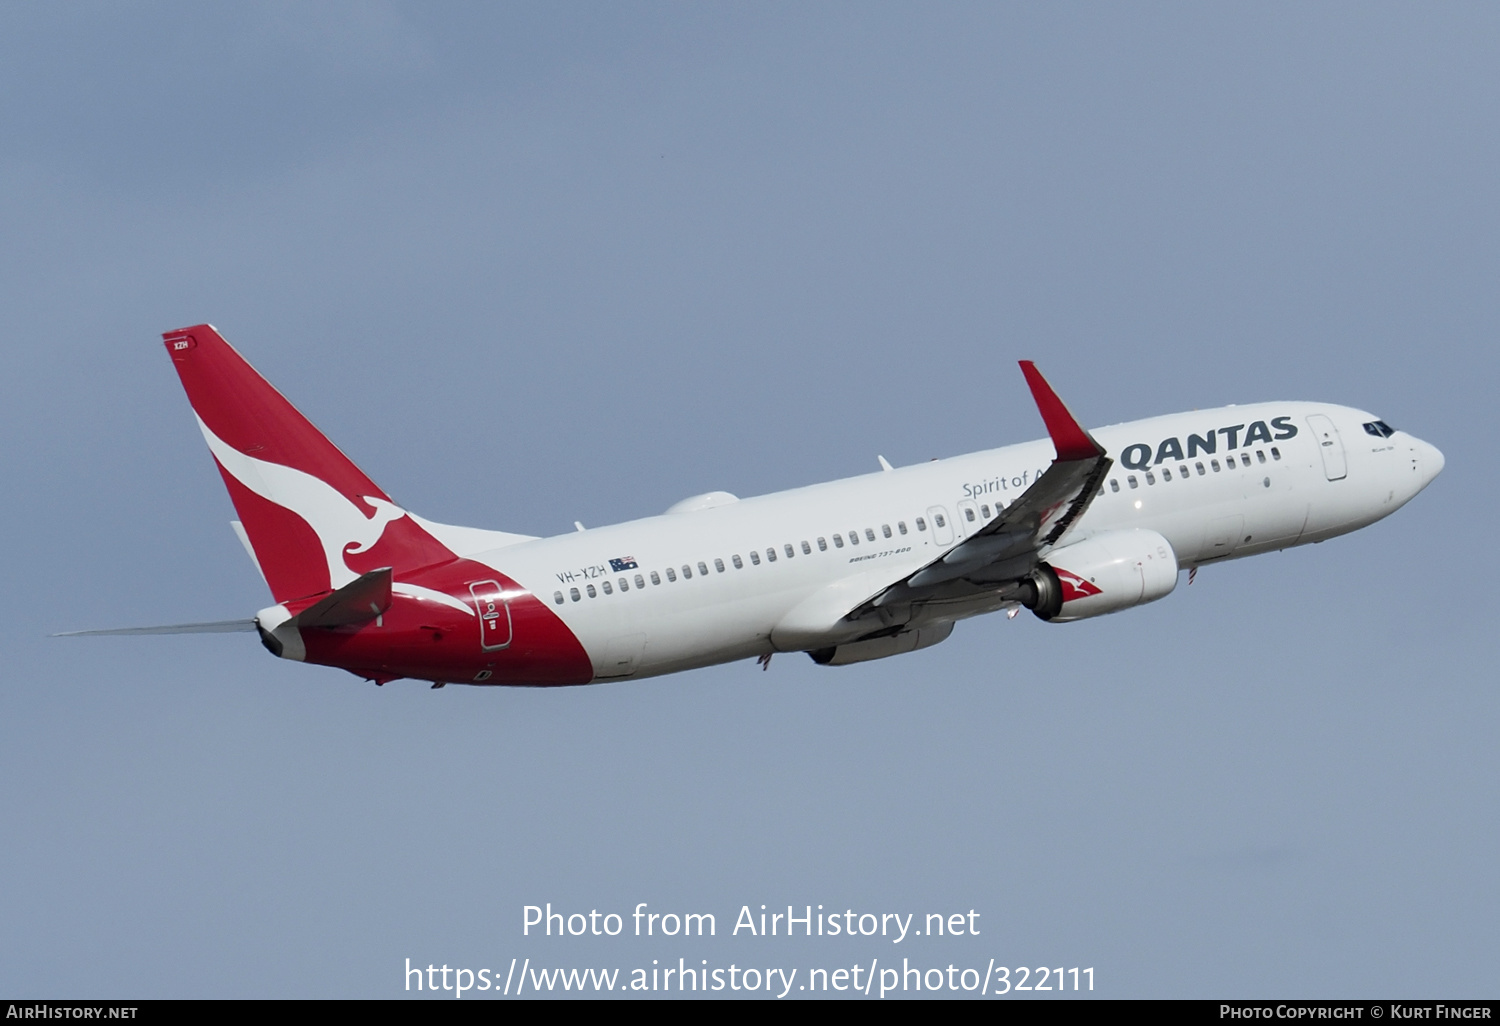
(217,627)
(364,598)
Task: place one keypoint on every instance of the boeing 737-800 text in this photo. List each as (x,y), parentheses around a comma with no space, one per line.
(1072,527)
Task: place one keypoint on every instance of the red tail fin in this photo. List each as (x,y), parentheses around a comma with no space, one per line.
(315,520)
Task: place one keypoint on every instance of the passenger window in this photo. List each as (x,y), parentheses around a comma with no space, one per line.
(853,537)
(806,548)
(901,526)
(703,567)
(573,594)
(624,584)
(1228,462)
(1201,471)
(557,597)
(969,514)
(718,565)
(755,557)
(1132,481)
(591,592)
(1275,453)
(687,572)
(606,586)
(838,541)
(1150,478)
(790,552)
(1114,485)
(984,510)
(1182,471)
(1214,464)
(655,579)
(937,518)
(640,582)
(739,564)
(921,524)
(671,574)
(822,545)
(770,555)
(1260,455)
(869,534)
(885,529)
(1166,473)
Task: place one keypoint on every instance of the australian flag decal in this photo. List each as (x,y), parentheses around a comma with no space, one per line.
(623,563)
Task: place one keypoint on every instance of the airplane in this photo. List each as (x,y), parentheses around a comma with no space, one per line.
(1074,526)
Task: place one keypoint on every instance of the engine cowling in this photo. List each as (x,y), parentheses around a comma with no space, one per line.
(880,648)
(1103,574)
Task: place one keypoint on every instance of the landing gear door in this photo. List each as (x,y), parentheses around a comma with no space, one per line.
(494,615)
(1224,535)
(1335,466)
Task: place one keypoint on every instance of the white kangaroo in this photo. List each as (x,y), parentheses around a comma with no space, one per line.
(340,525)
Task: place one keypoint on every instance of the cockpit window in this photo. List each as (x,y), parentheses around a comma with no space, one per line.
(1380,429)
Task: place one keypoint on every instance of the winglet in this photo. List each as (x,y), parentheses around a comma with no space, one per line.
(1071,440)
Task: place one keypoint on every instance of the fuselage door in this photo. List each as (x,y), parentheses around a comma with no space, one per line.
(942,528)
(1335,466)
(494,615)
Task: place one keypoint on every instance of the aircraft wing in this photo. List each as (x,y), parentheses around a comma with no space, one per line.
(1011,545)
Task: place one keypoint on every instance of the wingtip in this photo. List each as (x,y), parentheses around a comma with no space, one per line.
(1068,436)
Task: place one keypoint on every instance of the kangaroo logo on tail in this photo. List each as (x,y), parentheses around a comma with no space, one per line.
(315,521)
(341,526)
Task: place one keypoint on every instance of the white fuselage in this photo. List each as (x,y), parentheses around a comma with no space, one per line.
(1177,475)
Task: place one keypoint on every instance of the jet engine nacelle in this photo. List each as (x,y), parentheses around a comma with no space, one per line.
(880,648)
(1108,572)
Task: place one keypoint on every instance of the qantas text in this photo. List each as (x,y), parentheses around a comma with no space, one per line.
(1138,456)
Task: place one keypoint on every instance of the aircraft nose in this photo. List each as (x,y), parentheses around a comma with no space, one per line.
(1429,460)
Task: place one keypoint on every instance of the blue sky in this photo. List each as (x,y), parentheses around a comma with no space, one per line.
(531,264)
